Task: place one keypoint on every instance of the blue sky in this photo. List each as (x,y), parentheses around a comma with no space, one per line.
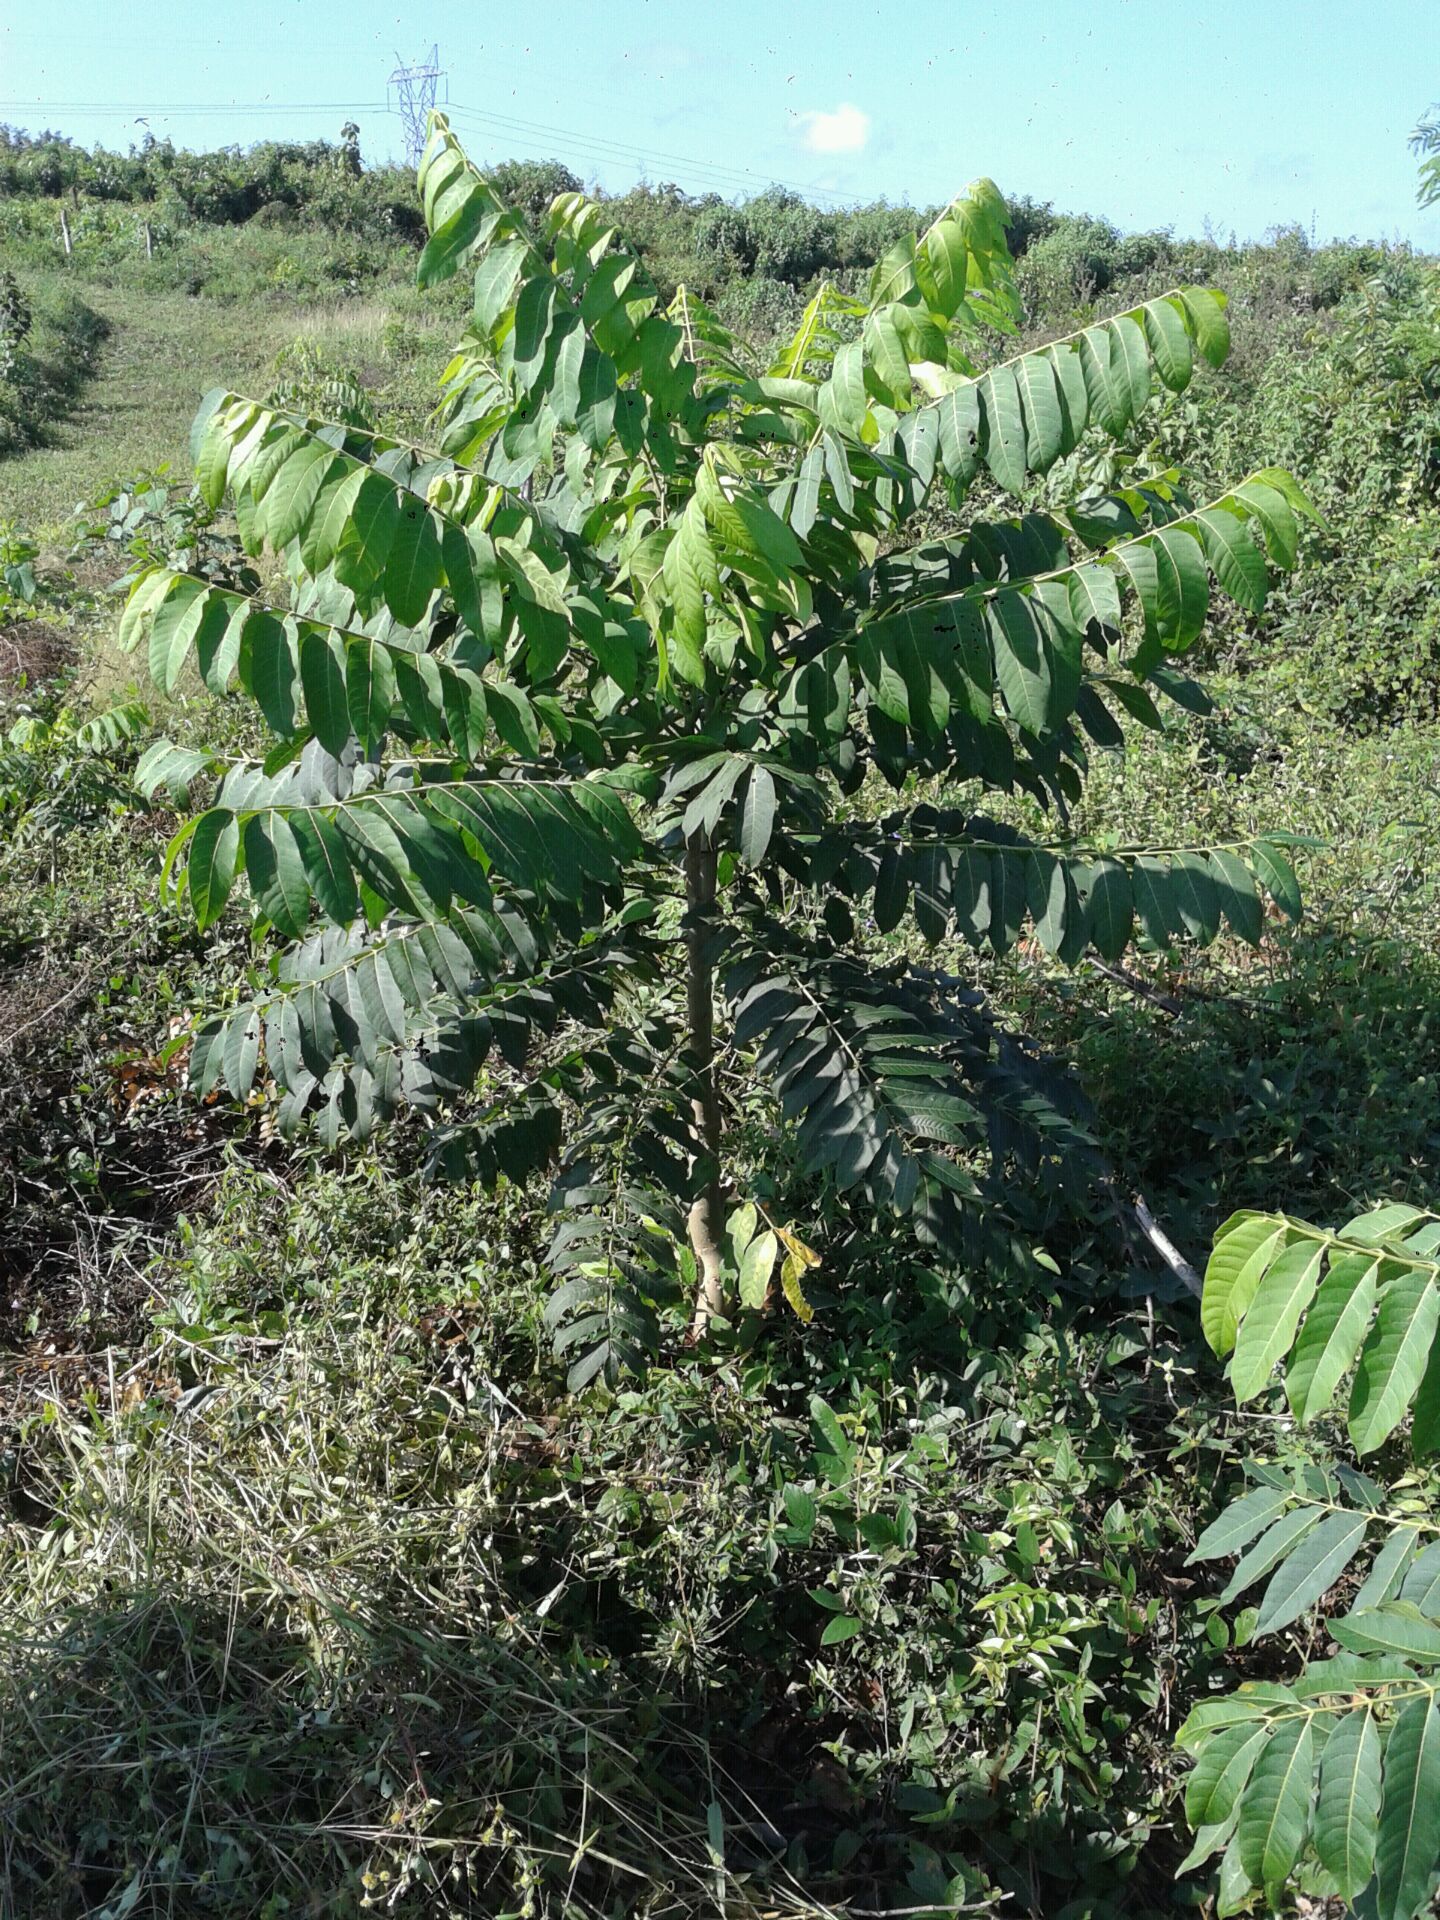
(1150,113)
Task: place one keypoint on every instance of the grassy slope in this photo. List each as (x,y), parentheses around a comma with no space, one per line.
(164,351)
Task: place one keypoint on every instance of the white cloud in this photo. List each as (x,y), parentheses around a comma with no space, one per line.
(846,130)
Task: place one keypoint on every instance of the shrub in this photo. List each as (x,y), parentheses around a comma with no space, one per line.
(603,711)
(1359,1304)
(48,349)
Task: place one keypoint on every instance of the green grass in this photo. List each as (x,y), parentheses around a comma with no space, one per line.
(161,355)
(165,350)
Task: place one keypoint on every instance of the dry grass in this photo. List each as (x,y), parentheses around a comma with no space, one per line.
(266,1657)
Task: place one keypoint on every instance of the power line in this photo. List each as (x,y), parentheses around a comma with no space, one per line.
(614,149)
(583,149)
(620,149)
(196,107)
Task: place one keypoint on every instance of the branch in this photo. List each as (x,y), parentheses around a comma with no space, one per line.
(1165,1246)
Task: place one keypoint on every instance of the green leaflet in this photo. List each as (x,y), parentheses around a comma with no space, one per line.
(452,239)
(1278,877)
(1130,362)
(412,565)
(270,657)
(1155,905)
(278,441)
(887,355)
(1239,901)
(1239,1524)
(292,495)
(1002,428)
(210,872)
(1208,1840)
(1331,1336)
(1234,1888)
(1037,678)
(363,546)
(327,866)
(1221,1772)
(1165,329)
(241,1052)
(1182,588)
(1343,1673)
(1111,908)
(1276,1810)
(1252,1701)
(842,398)
(163,764)
(322,675)
(1107,386)
(212,458)
(756,1267)
(275,868)
(947,257)
(1393,1359)
(1206,313)
(757,816)
(1348,1807)
(1235,555)
(1095,598)
(1069,368)
(1310,1570)
(1274,1545)
(1041,405)
(1244,1247)
(1196,896)
(458,694)
(1379,1224)
(149,588)
(513,717)
(369,692)
(217,643)
(1142,568)
(1425,1427)
(1392,1628)
(1388,1571)
(1274,512)
(1408,1843)
(173,628)
(1269,1324)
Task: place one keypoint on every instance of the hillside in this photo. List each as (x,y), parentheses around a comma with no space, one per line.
(318,1589)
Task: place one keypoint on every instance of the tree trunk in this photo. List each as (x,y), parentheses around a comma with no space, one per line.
(707,1214)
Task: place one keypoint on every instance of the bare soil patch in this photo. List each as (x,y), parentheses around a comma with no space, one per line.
(32,651)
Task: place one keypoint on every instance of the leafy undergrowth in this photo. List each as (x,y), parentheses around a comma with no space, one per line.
(324,1594)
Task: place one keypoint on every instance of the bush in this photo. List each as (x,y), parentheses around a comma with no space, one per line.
(1075,259)
(48,349)
(1381,658)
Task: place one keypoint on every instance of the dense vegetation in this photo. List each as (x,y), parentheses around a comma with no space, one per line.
(318,1588)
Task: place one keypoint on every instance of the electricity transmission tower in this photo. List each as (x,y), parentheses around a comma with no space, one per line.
(415,90)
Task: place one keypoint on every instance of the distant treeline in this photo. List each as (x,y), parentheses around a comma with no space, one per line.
(755,255)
